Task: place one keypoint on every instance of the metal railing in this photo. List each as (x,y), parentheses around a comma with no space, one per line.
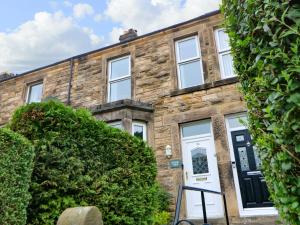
(179,198)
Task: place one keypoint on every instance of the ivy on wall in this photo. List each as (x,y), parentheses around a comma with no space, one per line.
(265,40)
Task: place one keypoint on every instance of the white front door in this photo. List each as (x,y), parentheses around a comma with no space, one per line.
(200,169)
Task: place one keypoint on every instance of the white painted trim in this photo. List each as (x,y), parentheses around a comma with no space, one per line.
(244,212)
(204,137)
(29,87)
(144,125)
(110,81)
(197,58)
(220,53)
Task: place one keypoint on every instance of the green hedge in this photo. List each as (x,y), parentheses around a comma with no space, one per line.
(82,161)
(265,40)
(16,163)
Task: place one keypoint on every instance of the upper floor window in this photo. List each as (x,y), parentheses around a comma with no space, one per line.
(35,92)
(189,64)
(139,130)
(119,77)
(225,58)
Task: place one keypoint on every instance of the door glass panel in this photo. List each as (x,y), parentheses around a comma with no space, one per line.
(239,138)
(190,74)
(243,158)
(196,129)
(257,159)
(199,161)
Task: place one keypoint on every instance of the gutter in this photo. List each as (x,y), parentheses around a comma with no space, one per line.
(70,81)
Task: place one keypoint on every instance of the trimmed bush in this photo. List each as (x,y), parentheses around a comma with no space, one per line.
(83,161)
(265,40)
(16,163)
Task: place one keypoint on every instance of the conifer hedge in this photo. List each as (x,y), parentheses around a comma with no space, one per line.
(265,40)
(83,161)
(16,163)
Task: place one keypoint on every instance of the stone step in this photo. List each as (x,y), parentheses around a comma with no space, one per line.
(261,220)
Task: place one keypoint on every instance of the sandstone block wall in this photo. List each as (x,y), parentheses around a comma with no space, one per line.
(154,81)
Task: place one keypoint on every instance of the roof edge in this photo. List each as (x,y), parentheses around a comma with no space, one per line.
(206,15)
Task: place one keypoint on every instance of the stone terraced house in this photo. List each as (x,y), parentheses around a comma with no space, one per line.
(176,89)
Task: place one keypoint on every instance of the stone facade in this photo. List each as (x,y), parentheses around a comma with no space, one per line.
(156,98)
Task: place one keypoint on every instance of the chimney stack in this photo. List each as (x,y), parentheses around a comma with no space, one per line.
(128,35)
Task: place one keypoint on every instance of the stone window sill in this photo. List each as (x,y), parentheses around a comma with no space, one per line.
(205,86)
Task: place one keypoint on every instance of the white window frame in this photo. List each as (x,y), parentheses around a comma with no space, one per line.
(111,81)
(244,212)
(221,53)
(142,124)
(186,61)
(29,86)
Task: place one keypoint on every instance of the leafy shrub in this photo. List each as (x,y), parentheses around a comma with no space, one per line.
(265,40)
(16,163)
(82,161)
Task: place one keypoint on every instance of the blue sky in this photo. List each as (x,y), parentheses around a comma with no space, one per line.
(35,33)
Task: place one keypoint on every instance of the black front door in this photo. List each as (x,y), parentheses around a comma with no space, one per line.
(253,186)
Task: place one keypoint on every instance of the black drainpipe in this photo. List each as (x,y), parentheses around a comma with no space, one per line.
(70,81)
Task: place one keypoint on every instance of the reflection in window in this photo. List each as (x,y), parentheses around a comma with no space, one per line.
(199,161)
(139,130)
(119,79)
(243,158)
(190,72)
(35,92)
(257,159)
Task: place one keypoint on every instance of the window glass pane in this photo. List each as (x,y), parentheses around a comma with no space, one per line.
(235,122)
(35,93)
(116,125)
(138,131)
(196,129)
(199,161)
(223,40)
(187,49)
(190,74)
(257,159)
(120,90)
(119,68)
(227,65)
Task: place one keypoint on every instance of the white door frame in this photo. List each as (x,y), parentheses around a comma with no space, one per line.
(210,138)
(244,212)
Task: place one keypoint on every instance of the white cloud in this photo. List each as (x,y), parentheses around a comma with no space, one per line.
(45,39)
(67,3)
(81,10)
(115,34)
(150,15)
(98,17)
